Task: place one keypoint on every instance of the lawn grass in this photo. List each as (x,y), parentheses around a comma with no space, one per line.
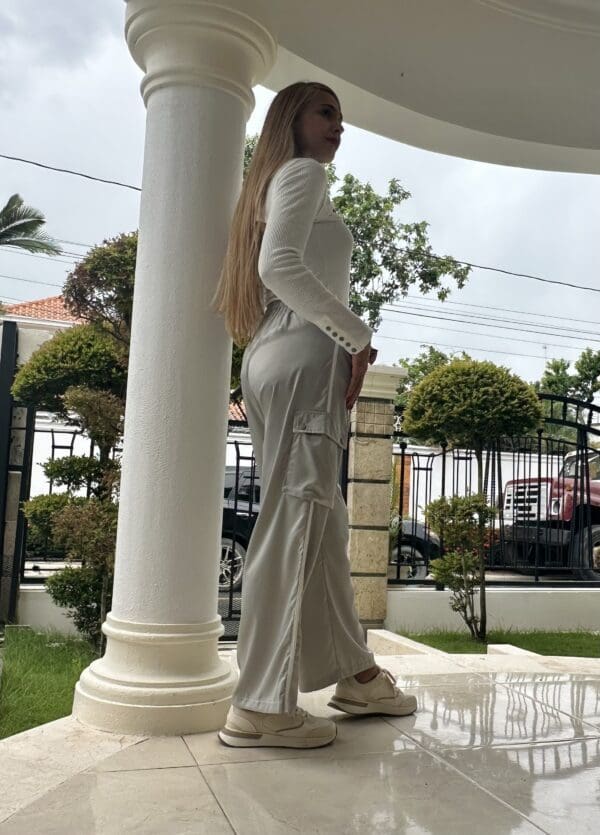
(584,644)
(39,676)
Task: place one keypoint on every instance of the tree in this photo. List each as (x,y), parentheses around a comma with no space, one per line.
(419,367)
(472,405)
(587,376)
(82,355)
(583,384)
(20,228)
(389,257)
(100,288)
(461,522)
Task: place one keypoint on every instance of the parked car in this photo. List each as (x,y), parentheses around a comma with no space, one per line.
(418,546)
(239,517)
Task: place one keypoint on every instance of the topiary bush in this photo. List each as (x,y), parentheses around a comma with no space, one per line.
(79,591)
(40,512)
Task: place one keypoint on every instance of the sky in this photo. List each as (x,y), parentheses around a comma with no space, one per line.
(69,98)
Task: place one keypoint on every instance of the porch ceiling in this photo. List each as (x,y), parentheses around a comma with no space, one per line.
(513,82)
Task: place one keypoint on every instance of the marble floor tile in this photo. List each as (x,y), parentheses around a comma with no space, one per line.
(156,752)
(485,716)
(356,737)
(171,801)
(579,697)
(554,784)
(380,794)
(37,760)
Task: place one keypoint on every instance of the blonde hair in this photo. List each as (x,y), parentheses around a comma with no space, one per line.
(239,292)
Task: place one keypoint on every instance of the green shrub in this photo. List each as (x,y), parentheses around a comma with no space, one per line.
(83,355)
(79,590)
(461,522)
(75,471)
(40,512)
(88,531)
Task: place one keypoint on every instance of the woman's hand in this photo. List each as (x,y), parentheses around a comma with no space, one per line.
(360,364)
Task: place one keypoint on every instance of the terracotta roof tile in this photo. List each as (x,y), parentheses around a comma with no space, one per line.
(51,308)
(236,411)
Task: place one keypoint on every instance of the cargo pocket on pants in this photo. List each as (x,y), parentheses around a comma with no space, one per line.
(315,457)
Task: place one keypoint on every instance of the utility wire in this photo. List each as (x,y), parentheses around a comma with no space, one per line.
(488,321)
(499,327)
(75,243)
(506,310)
(30,281)
(55,259)
(11,299)
(492,336)
(507,272)
(464,347)
(499,270)
(69,171)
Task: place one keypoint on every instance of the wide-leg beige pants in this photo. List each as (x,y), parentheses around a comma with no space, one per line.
(299,628)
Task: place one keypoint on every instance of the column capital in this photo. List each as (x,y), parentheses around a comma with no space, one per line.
(381,381)
(179,42)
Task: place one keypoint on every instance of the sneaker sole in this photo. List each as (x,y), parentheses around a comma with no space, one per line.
(357,708)
(238,739)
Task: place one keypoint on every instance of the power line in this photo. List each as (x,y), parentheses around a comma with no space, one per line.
(11,299)
(506,310)
(75,243)
(495,322)
(463,347)
(505,272)
(30,281)
(499,270)
(492,336)
(56,259)
(69,171)
(500,327)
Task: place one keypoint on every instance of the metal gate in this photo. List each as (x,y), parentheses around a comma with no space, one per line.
(545,490)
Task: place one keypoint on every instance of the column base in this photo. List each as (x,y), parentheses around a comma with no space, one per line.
(156,680)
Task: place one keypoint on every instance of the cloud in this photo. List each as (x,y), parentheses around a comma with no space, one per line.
(37,36)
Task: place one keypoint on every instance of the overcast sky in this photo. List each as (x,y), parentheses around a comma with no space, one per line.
(69,97)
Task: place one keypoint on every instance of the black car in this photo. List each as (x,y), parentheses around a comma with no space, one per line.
(239,518)
(418,546)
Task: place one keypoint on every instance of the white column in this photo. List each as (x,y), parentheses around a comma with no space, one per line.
(161,673)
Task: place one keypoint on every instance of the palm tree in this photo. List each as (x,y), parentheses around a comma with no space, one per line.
(20,227)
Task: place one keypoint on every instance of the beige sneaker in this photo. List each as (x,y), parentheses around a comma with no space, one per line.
(248,728)
(380,695)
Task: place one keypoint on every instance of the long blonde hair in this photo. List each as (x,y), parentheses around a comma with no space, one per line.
(239,292)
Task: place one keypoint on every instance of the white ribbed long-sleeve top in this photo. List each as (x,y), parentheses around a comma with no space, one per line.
(305,254)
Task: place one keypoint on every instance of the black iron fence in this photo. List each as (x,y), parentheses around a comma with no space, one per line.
(545,491)
(37,561)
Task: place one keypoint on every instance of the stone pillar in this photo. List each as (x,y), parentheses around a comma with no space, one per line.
(369,491)
(161,673)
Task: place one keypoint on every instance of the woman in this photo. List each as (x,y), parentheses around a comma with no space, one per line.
(284,290)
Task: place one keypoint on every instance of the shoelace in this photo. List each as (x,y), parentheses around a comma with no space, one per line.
(391,679)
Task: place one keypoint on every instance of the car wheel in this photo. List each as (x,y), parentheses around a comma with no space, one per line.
(412,564)
(232,565)
(582,546)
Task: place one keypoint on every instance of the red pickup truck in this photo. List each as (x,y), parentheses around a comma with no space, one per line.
(554,521)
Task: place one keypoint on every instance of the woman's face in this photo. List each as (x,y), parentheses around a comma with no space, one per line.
(319,129)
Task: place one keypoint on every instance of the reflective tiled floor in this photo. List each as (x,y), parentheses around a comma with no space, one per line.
(488,752)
